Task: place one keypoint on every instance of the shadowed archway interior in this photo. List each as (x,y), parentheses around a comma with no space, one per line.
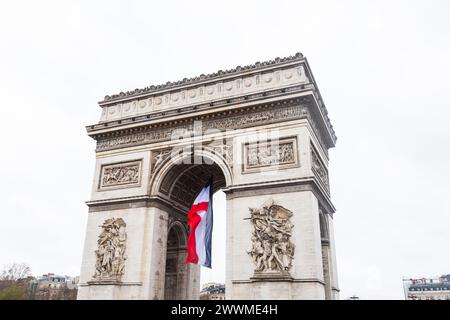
(176,271)
(184,181)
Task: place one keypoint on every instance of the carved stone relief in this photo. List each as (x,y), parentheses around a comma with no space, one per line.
(268,155)
(274,153)
(159,156)
(120,174)
(111,254)
(223,149)
(272,249)
(243,120)
(319,168)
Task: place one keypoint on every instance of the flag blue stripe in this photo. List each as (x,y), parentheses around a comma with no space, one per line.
(209,228)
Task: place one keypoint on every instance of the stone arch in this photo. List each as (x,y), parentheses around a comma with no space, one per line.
(177,182)
(180,231)
(275,134)
(175,173)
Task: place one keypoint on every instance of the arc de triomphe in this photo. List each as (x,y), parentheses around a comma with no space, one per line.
(263,132)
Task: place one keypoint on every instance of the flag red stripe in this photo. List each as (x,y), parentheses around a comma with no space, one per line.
(202,206)
(194,220)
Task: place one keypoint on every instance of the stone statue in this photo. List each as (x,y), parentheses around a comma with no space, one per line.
(111,250)
(272,249)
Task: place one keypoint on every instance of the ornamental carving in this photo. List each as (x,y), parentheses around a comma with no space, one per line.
(264,116)
(319,168)
(272,249)
(260,155)
(110,254)
(159,157)
(223,149)
(120,174)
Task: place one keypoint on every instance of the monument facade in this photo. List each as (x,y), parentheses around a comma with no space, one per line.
(263,132)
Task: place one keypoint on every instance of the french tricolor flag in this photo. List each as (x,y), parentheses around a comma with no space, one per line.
(201,224)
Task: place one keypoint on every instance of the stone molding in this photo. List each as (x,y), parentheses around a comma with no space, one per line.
(257,97)
(280,279)
(275,112)
(234,89)
(221,148)
(282,186)
(109,283)
(234,191)
(195,80)
(132,202)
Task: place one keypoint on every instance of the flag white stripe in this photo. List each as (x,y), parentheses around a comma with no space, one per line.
(200,238)
(203,196)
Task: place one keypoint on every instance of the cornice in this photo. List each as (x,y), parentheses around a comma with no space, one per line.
(283,186)
(276,111)
(191,110)
(201,78)
(235,191)
(130,109)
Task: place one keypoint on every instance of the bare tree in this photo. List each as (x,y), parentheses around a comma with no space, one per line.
(15,271)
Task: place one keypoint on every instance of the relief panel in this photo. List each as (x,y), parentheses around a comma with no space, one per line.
(120,175)
(269,155)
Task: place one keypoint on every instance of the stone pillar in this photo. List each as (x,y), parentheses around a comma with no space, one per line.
(193,282)
(325,241)
(333,263)
(143,277)
(154,254)
(304,280)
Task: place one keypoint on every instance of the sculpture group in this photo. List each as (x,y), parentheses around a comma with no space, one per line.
(272,249)
(111,250)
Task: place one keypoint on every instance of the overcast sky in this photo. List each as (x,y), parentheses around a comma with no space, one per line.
(383,69)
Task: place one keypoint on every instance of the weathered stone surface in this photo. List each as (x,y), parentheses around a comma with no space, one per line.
(264,134)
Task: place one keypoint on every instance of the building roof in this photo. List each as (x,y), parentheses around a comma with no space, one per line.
(202,77)
(213,288)
(430,286)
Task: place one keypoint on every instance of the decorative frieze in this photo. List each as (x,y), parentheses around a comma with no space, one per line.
(319,169)
(125,174)
(261,116)
(205,93)
(274,154)
(110,255)
(272,249)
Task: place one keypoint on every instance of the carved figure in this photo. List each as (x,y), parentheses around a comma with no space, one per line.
(270,155)
(116,175)
(110,254)
(272,249)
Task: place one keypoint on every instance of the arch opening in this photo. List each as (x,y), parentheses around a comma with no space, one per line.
(182,182)
(179,186)
(175,273)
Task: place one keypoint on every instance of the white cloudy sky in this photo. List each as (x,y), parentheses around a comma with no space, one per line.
(383,69)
